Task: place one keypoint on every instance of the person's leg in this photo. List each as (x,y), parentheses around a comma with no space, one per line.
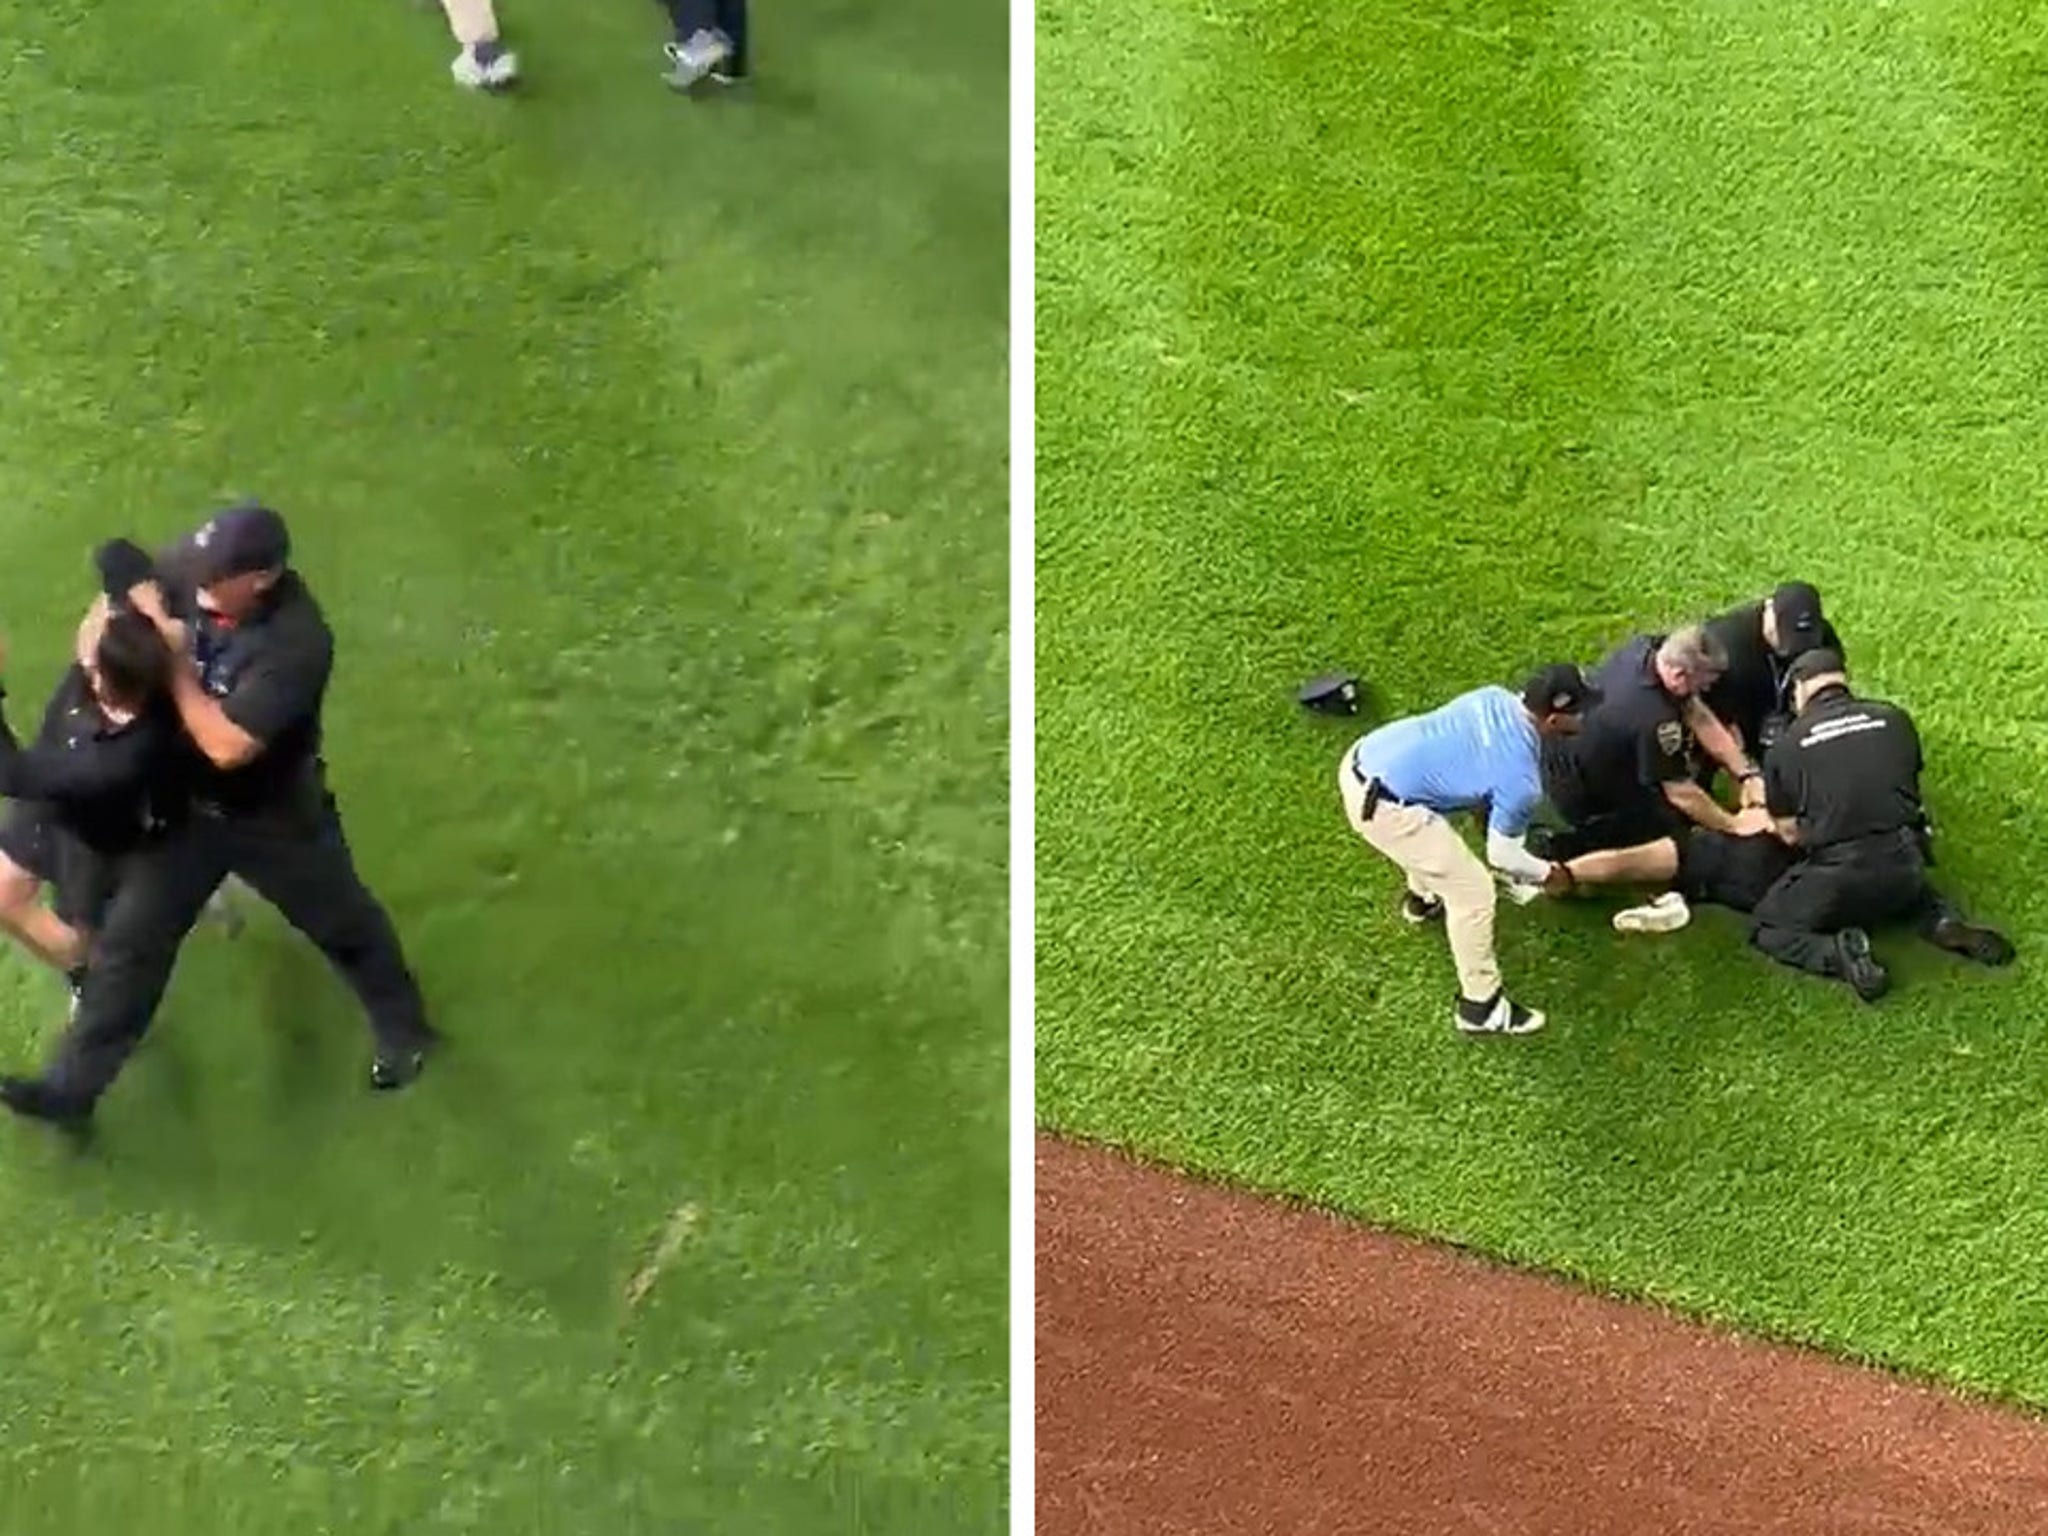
(83,887)
(1799,924)
(1733,872)
(731,19)
(1425,845)
(28,862)
(31,924)
(1941,923)
(1421,902)
(484,62)
(1651,863)
(162,889)
(1658,862)
(307,872)
(472,21)
(702,46)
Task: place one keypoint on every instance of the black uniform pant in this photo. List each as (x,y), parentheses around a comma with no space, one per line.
(1849,885)
(727,16)
(1721,869)
(297,859)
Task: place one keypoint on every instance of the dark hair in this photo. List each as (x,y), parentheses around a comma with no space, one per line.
(134,662)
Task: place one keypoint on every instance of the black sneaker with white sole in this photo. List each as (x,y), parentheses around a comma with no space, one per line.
(1421,909)
(1859,967)
(1497,1015)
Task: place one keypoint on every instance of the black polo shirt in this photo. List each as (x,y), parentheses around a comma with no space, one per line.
(269,671)
(1753,688)
(1846,768)
(103,781)
(1633,742)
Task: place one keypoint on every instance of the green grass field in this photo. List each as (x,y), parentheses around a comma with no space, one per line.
(1442,340)
(649,458)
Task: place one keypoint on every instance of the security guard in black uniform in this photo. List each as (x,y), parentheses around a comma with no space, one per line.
(1626,778)
(1762,640)
(252,656)
(1843,784)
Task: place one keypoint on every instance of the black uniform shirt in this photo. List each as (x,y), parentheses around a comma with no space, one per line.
(1634,740)
(1753,687)
(103,780)
(270,673)
(1846,768)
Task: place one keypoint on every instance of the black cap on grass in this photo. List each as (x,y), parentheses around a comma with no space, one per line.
(1334,693)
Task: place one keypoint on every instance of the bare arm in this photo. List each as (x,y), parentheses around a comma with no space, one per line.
(90,628)
(222,742)
(1698,806)
(1721,742)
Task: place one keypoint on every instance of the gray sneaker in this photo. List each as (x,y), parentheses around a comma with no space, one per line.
(701,54)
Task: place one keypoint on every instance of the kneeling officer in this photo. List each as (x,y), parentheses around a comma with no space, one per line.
(1843,786)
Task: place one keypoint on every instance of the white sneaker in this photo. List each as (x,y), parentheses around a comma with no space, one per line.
(700,54)
(1667,914)
(477,74)
(1520,892)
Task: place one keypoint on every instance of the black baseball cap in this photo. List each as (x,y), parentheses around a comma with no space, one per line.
(1817,661)
(1797,606)
(1559,689)
(237,541)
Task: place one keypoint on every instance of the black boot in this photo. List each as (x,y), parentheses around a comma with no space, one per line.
(1859,967)
(1986,946)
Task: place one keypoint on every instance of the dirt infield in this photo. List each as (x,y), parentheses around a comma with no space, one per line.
(1209,1362)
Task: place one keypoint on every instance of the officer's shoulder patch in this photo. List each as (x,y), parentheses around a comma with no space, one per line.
(1670,737)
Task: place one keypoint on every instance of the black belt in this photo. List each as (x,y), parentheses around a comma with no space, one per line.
(1376,793)
(1896,840)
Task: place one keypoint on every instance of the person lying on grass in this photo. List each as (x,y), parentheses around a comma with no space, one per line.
(1851,846)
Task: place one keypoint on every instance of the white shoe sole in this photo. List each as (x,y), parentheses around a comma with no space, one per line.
(1667,914)
(495,76)
(1529,1026)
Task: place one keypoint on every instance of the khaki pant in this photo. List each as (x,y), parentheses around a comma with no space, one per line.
(1436,862)
(472,21)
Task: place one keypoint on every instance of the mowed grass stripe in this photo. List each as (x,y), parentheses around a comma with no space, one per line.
(1506,329)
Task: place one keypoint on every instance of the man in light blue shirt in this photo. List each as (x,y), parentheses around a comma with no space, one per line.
(1400,783)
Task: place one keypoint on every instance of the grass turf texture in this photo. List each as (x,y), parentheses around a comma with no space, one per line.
(1441,341)
(649,458)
